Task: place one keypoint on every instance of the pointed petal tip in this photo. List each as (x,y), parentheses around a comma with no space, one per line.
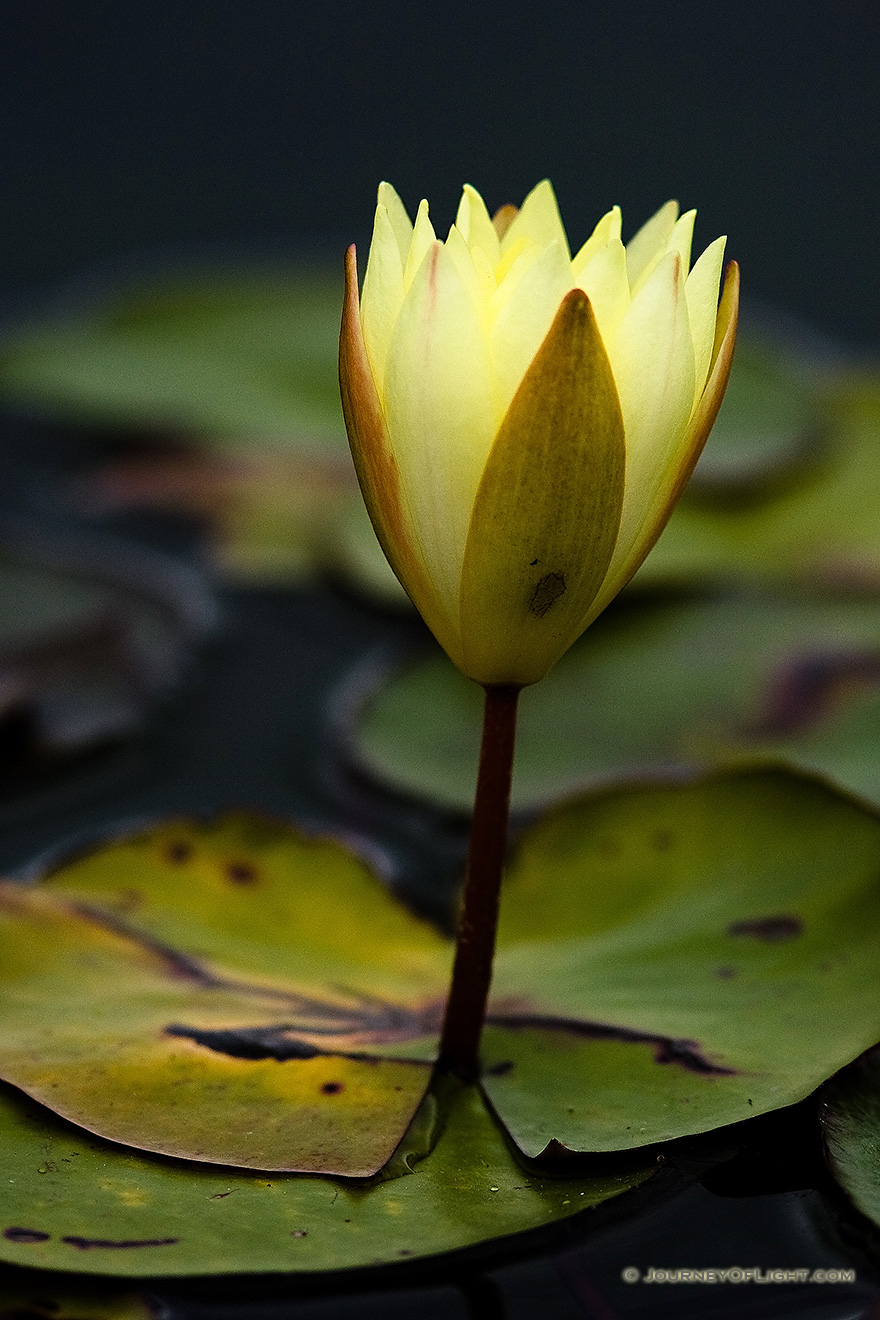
(351,271)
(576,302)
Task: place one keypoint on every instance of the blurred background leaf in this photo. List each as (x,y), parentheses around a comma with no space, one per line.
(850,1113)
(656,687)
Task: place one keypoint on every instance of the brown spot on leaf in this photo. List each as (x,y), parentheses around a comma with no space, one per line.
(546,594)
(300,1233)
(89,1244)
(332,1088)
(178,851)
(242,873)
(25,1235)
(772,930)
(725,973)
(662,840)
(500,1069)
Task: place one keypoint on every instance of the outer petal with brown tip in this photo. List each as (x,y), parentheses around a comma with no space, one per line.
(374,461)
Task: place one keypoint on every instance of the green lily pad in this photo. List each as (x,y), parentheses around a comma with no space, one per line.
(823,527)
(232,355)
(850,1115)
(74,1202)
(677,958)
(670,960)
(658,689)
(769,431)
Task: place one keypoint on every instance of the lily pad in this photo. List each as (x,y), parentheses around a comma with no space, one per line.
(684,957)
(229,354)
(92,634)
(850,1114)
(822,528)
(660,689)
(769,431)
(670,960)
(74,1202)
(268,517)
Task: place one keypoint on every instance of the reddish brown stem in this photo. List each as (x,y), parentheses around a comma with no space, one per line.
(475,950)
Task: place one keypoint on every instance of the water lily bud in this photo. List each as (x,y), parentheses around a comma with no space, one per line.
(523,421)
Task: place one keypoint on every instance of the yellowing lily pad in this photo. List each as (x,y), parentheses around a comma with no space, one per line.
(153,991)
(650,690)
(74,1202)
(850,1114)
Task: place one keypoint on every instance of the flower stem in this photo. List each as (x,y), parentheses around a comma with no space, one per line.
(472,970)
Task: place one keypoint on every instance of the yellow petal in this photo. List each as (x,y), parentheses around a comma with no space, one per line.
(383,294)
(516,259)
(681,238)
(539,219)
(688,451)
(476,225)
(400,221)
(650,241)
(653,360)
(604,281)
(706,411)
(485,272)
(607,229)
(547,510)
(374,461)
(523,310)
(463,258)
(441,418)
(423,237)
(679,241)
(701,289)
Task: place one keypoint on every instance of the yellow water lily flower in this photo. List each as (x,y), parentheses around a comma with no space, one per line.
(522,421)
